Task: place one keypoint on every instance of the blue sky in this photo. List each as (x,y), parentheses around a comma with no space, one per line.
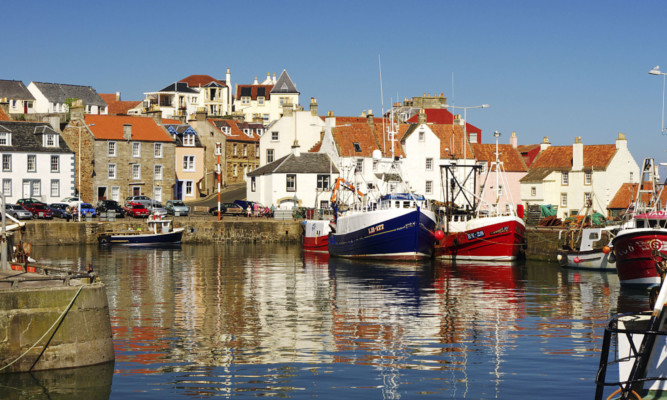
(547,68)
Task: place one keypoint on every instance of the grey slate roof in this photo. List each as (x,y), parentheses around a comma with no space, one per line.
(179,130)
(306,163)
(58,93)
(537,174)
(15,90)
(181,86)
(284,84)
(27,137)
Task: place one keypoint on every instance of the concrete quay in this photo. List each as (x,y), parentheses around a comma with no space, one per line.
(52,319)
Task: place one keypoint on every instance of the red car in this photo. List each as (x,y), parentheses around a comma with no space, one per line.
(136,210)
(39,210)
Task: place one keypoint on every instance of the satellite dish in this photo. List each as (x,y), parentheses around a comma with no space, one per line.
(377,154)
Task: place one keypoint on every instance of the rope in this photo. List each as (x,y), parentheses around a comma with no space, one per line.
(69,306)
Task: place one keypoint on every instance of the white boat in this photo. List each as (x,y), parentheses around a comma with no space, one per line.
(594,250)
(315,235)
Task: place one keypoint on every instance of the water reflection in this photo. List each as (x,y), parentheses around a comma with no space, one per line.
(239,320)
(92,383)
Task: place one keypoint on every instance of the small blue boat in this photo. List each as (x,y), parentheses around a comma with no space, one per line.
(159,233)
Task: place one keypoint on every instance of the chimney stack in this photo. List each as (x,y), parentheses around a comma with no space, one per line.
(577,154)
(200,114)
(514,141)
(117,96)
(369,118)
(77,110)
(545,143)
(621,143)
(421,119)
(155,113)
(4,105)
(255,82)
(127,132)
(313,107)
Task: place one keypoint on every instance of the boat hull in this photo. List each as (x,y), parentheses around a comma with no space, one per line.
(634,263)
(593,260)
(148,239)
(498,239)
(384,234)
(316,236)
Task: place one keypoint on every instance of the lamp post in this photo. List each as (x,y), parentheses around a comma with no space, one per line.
(656,71)
(78,210)
(465,123)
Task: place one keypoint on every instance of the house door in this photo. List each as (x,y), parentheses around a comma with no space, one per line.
(136,191)
(26,189)
(101,193)
(179,190)
(25,107)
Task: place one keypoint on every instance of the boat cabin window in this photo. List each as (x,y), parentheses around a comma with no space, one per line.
(640,223)
(594,236)
(406,204)
(397,204)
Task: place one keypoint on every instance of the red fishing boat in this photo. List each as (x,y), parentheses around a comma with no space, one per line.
(479,231)
(644,231)
(316,235)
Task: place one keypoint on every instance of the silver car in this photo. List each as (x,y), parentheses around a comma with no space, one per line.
(155,208)
(177,207)
(17,211)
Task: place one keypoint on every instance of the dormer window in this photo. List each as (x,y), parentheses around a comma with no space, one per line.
(246,131)
(260,101)
(357,147)
(260,132)
(5,139)
(50,140)
(188,140)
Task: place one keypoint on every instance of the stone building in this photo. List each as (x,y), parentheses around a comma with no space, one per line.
(120,156)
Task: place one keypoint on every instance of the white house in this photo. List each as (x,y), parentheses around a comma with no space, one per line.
(265,102)
(301,179)
(19,98)
(185,97)
(52,98)
(567,176)
(304,127)
(36,162)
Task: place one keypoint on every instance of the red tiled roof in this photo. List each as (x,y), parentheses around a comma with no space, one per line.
(118,106)
(236,131)
(451,141)
(442,116)
(169,121)
(628,192)
(510,158)
(350,131)
(110,127)
(3,116)
(201,80)
(595,156)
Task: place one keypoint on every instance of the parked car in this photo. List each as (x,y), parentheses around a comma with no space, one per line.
(87,209)
(177,207)
(39,210)
(60,210)
(145,200)
(136,210)
(227,209)
(28,200)
(71,201)
(156,208)
(110,205)
(17,211)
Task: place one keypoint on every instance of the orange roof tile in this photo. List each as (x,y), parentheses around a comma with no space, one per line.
(118,106)
(442,116)
(236,132)
(110,127)
(628,192)
(368,138)
(451,141)
(511,159)
(560,157)
(3,116)
(169,121)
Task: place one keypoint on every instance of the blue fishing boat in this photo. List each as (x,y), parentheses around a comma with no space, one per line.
(399,227)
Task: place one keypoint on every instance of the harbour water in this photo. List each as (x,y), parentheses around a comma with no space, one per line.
(266,320)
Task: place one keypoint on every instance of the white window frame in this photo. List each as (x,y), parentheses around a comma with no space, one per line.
(5,139)
(188,188)
(157,150)
(290,183)
(429,164)
(157,172)
(136,149)
(275,136)
(136,172)
(111,149)
(564,178)
(429,187)
(189,163)
(587,178)
(7,187)
(188,140)
(55,188)
(7,163)
(31,164)
(50,140)
(112,173)
(157,193)
(533,191)
(270,156)
(359,166)
(115,193)
(563,200)
(55,163)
